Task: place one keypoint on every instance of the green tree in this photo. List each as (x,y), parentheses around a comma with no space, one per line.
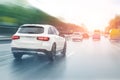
(115,23)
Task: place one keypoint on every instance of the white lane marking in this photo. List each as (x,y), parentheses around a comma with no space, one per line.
(4,56)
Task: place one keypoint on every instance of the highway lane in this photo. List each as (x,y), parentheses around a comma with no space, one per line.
(86,60)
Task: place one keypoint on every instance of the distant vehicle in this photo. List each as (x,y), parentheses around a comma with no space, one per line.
(114,34)
(77,36)
(106,35)
(97,31)
(85,35)
(37,38)
(96,36)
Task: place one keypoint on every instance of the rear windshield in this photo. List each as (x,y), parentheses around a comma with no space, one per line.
(31,30)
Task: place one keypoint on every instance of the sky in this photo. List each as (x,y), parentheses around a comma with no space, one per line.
(94,14)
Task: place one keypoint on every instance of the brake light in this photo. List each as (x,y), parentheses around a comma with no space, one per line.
(43,38)
(15,37)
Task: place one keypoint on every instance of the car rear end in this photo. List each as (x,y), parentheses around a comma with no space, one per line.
(96,36)
(30,39)
(114,34)
(77,36)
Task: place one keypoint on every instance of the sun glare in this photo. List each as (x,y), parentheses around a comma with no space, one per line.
(95,14)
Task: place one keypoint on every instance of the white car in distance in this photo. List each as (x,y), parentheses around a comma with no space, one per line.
(77,36)
(37,38)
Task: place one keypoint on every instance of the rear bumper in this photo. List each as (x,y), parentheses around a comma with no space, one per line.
(96,37)
(28,51)
(76,39)
(114,37)
(32,45)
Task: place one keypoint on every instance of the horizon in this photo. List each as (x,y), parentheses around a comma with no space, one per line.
(94,14)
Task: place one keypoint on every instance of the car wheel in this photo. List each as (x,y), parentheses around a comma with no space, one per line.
(52,53)
(64,49)
(17,56)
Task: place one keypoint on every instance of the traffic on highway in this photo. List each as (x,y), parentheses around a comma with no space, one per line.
(87,60)
(59,39)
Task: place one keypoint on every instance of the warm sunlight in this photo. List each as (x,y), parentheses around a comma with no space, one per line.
(95,14)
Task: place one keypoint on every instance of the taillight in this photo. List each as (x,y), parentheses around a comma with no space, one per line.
(43,38)
(14,37)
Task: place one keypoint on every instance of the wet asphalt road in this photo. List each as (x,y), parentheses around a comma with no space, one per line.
(86,60)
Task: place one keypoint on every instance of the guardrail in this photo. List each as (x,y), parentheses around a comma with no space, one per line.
(4,38)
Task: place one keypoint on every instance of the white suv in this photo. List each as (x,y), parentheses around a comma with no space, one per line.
(37,38)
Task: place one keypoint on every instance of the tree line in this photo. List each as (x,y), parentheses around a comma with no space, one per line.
(113,24)
(15,15)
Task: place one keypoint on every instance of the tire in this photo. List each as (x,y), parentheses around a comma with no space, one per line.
(52,53)
(64,49)
(17,56)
